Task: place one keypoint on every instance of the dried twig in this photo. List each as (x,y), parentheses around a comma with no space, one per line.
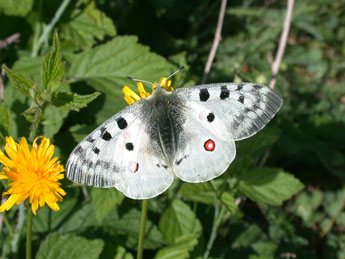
(282,43)
(217,38)
(9,40)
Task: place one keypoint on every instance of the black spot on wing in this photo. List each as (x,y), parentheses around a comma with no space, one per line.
(239,87)
(96,150)
(106,136)
(241,99)
(90,139)
(121,123)
(204,95)
(210,117)
(78,150)
(257,87)
(224,92)
(179,161)
(129,146)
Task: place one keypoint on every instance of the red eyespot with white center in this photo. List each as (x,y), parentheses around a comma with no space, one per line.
(209,145)
(133,167)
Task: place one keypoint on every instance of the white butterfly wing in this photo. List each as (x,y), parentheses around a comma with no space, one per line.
(205,150)
(245,108)
(119,154)
(216,116)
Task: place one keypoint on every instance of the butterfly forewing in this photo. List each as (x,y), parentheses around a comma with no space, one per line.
(118,154)
(245,108)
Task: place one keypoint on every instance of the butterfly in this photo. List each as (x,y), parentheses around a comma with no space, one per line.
(188,133)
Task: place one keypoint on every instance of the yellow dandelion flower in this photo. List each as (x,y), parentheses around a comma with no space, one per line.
(34,175)
(131,96)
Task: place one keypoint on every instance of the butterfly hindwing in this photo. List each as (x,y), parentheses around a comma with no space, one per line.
(205,149)
(245,108)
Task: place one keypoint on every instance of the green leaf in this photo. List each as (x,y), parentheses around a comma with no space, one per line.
(21,82)
(53,120)
(79,219)
(5,123)
(178,250)
(72,101)
(204,193)
(269,185)
(104,200)
(121,253)
(79,132)
(48,220)
(85,26)
(107,66)
(178,220)
(52,67)
(129,225)
(16,7)
(69,246)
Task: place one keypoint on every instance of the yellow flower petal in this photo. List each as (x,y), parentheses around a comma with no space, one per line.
(33,174)
(8,204)
(131,97)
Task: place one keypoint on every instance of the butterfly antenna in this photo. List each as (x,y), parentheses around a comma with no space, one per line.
(139,80)
(181,68)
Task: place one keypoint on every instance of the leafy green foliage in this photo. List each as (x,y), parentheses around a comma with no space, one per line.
(104,200)
(5,123)
(69,246)
(269,185)
(85,26)
(72,101)
(21,82)
(284,193)
(179,249)
(52,67)
(16,7)
(178,220)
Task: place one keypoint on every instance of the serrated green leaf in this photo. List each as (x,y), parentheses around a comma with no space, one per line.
(178,220)
(269,185)
(107,66)
(21,82)
(52,67)
(79,219)
(5,123)
(16,7)
(129,225)
(69,246)
(104,200)
(72,101)
(204,193)
(178,250)
(53,120)
(86,25)
(48,220)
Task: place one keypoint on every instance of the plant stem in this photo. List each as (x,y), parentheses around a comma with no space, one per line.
(29,233)
(8,225)
(216,40)
(282,43)
(216,222)
(47,29)
(142,230)
(18,229)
